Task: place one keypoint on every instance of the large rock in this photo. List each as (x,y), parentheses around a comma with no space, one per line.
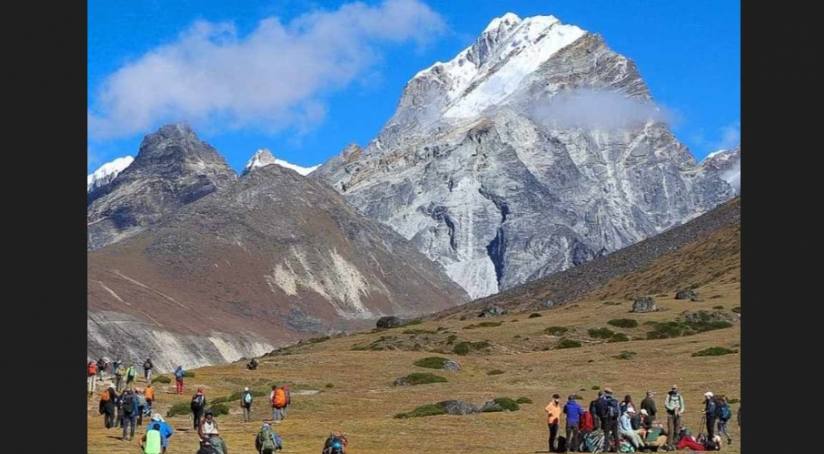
(473,170)
(686,295)
(704,317)
(451,365)
(458,407)
(644,304)
(388,322)
(492,311)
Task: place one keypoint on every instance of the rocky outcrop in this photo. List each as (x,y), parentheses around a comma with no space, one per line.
(478,171)
(644,304)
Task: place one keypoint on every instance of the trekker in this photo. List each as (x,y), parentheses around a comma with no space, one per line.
(101,366)
(644,422)
(141,405)
(91,380)
(119,372)
(246,404)
(207,426)
(149,394)
(288,399)
(674,404)
(128,413)
(626,430)
(610,411)
(267,441)
(206,448)
(585,426)
(723,415)
(709,413)
(179,372)
(553,418)
(335,443)
(130,375)
(626,404)
(593,410)
(197,406)
(573,417)
(166,431)
(147,370)
(278,398)
(107,406)
(151,442)
(648,404)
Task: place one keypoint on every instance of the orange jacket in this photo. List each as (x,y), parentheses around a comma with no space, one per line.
(553,411)
(279,400)
(149,393)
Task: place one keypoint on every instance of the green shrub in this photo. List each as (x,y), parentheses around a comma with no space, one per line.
(714,351)
(162,379)
(534,315)
(219,400)
(517,336)
(330,385)
(618,337)
(625,355)
(556,330)
(495,372)
(219,409)
(736,309)
(523,400)
(733,401)
(315,340)
(507,404)
(595,387)
(423,378)
(463,348)
(600,333)
(718,307)
(424,410)
(180,408)
(623,322)
(431,362)
(568,343)
(666,330)
(483,325)
(418,331)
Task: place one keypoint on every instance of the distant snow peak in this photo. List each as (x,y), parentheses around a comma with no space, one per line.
(264,157)
(507,20)
(107,172)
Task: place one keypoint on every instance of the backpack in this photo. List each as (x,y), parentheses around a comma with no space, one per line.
(625,446)
(128,404)
(334,445)
(130,373)
(147,365)
(197,402)
(267,445)
(247,398)
(610,409)
(586,424)
(724,412)
(179,373)
(562,444)
(279,399)
(594,441)
(153,444)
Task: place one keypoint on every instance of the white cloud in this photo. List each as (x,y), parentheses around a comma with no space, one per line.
(730,136)
(273,78)
(597,109)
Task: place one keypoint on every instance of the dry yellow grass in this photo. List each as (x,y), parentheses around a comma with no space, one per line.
(363,401)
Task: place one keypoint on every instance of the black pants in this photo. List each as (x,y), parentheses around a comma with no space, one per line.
(572,437)
(611,436)
(108,419)
(711,427)
(196,417)
(128,423)
(596,422)
(553,433)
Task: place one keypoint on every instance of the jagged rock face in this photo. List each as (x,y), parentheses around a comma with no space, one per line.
(725,164)
(99,180)
(481,181)
(172,169)
(270,259)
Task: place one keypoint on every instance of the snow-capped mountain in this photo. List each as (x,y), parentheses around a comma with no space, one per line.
(107,172)
(264,157)
(533,150)
(726,164)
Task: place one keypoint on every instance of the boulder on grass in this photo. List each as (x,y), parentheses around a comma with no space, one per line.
(458,407)
(644,304)
(686,295)
(389,322)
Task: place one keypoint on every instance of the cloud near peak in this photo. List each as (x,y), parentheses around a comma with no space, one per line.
(273,78)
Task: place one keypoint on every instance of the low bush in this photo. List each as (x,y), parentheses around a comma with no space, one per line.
(219,409)
(464,348)
(568,343)
(523,400)
(623,322)
(483,325)
(618,337)
(162,379)
(600,333)
(419,331)
(180,408)
(714,351)
(556,330)
(422,378)
(431,362)
(595,387)
(507,404)
(330,385)
(534,315)
(625,355)
(495,372)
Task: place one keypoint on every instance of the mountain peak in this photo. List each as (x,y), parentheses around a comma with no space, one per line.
(107,172)
(263,157)
(507,20)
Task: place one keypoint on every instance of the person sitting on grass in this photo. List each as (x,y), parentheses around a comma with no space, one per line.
(626,431)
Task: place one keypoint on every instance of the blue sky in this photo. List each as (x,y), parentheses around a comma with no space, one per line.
(688,52)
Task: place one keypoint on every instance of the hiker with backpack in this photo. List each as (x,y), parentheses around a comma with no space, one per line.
(119,373)
(610,410)
(141,405)
(149,394)
(107,407)
(101,366)
(648,404)
(709,413)
(130,375)
(206,448)
(147,370)
(553,419)
(179,373)
(91,379)
(208,431)
(336,443)
(128,413)
(151,442)
(585,426)
(165,429)
(723,415)
(267,441)
(198,405)
(674,404)
(593,410)
(278,399)
(573,413)
(626,404)
(246,404)
(626,430)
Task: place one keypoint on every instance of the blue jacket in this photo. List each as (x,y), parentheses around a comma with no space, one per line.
(624,423)
(573,412)
(166,431)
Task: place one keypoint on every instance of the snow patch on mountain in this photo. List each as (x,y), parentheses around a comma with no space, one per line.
(107,172)
(264,157)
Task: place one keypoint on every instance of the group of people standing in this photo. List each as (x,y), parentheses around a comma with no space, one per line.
(606,422)
(124,377)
